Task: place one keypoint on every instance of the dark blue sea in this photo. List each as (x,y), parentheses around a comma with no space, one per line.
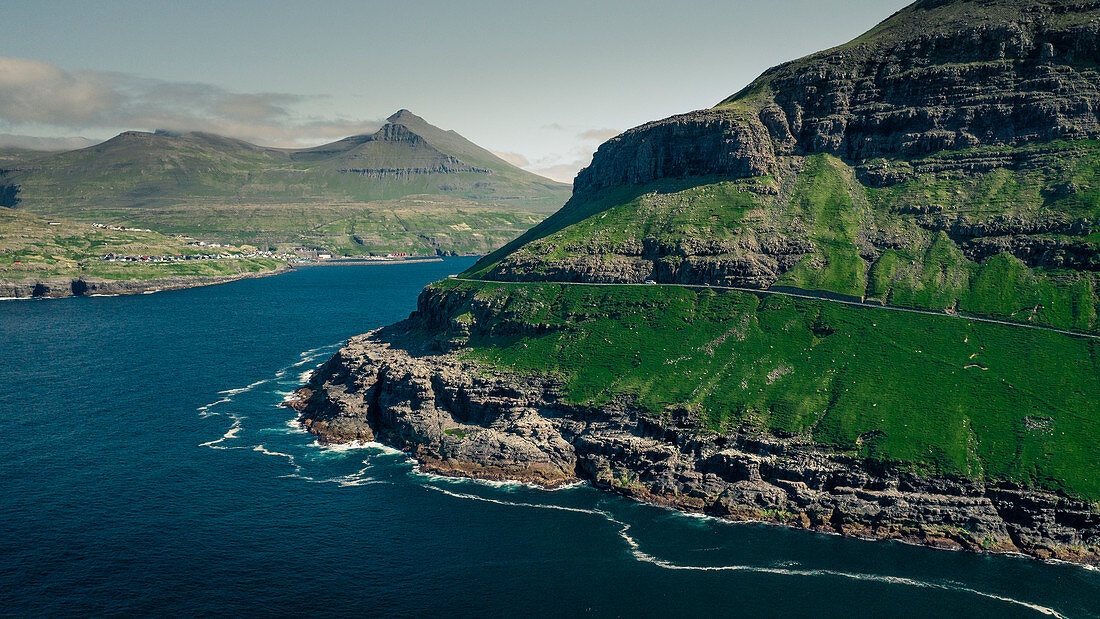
(146,468)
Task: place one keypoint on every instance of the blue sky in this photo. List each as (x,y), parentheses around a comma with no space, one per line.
(543,83)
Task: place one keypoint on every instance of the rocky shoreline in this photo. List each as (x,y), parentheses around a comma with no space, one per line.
(55,287)
(462,419)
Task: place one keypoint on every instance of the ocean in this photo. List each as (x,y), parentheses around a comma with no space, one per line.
(147,468)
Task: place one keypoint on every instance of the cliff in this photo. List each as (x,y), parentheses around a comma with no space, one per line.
(937,76)
(85,286)
(946,162)
(975,119)
(457,417)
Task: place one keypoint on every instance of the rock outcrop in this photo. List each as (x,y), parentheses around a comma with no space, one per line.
(458,418)
(936,76)
(84,286)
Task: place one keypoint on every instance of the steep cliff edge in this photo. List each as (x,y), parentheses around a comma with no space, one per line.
(948,161)
(839,171)
(936,76)
(462,418)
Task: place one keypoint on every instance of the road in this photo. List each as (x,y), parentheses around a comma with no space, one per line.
(812,297)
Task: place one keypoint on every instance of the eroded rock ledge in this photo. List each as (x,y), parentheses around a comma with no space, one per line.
(82,286)
(461,418)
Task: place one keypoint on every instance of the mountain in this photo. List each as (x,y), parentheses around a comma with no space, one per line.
(407,187)
(872,306)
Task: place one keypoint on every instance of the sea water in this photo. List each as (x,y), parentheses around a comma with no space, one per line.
(147,467)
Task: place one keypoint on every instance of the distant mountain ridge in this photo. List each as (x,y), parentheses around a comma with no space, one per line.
(175,182)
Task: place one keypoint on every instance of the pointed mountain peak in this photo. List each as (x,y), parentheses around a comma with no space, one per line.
(404,116)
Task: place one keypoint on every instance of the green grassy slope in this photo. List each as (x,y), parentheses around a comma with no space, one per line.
(33,248)
(927,164)
(186,183)
(864,241)
(939,394)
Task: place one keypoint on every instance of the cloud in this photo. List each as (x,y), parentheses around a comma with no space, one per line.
(33,91)
(563,166)
(599,135)
(515,159)
(562,172)
(28,142)
(37,93)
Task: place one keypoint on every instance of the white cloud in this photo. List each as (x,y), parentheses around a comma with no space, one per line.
(28,142)
(562,172)
(599,135)
(33,91)
(563,166)
(515,159)
(40,94)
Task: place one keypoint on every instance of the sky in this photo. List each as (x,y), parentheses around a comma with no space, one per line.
(540,83)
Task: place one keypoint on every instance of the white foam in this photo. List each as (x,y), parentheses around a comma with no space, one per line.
(240,390)
(230,434)
(205,409)
(293,427)
(355,445)
(560,508)
(509,484)
(640,555)
(267,452)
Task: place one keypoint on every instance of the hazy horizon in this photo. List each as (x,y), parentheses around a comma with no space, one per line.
(542,86)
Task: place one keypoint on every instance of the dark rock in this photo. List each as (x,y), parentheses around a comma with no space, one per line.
(459,419)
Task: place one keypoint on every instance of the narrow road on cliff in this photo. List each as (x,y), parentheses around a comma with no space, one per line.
(806,294)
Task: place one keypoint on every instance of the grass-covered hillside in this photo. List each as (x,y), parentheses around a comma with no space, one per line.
(33,247)
(947,161)
(409,187)
(939,394)
(1018,244)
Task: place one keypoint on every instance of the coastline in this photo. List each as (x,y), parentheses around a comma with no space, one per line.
(459,419)
(353,262)
(59,287)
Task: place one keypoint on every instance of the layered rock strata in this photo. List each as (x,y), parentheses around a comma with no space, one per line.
(926,80)
(84,286)
(459,418)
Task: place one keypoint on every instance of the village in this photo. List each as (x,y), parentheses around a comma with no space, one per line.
(113,257)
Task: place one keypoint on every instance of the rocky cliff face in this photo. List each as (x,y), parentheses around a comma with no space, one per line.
(82,286)
(952,117)
(708,142)
(457,418)
(998,74)
(944,161)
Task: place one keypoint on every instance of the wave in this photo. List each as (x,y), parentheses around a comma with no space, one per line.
(356,445)
(267,452)
(293,427)
(204,410)
(230,434)
(644,557)
(240,390)
(492,483)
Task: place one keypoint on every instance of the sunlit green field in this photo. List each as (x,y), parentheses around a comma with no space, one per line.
(939,394)
(32,247)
